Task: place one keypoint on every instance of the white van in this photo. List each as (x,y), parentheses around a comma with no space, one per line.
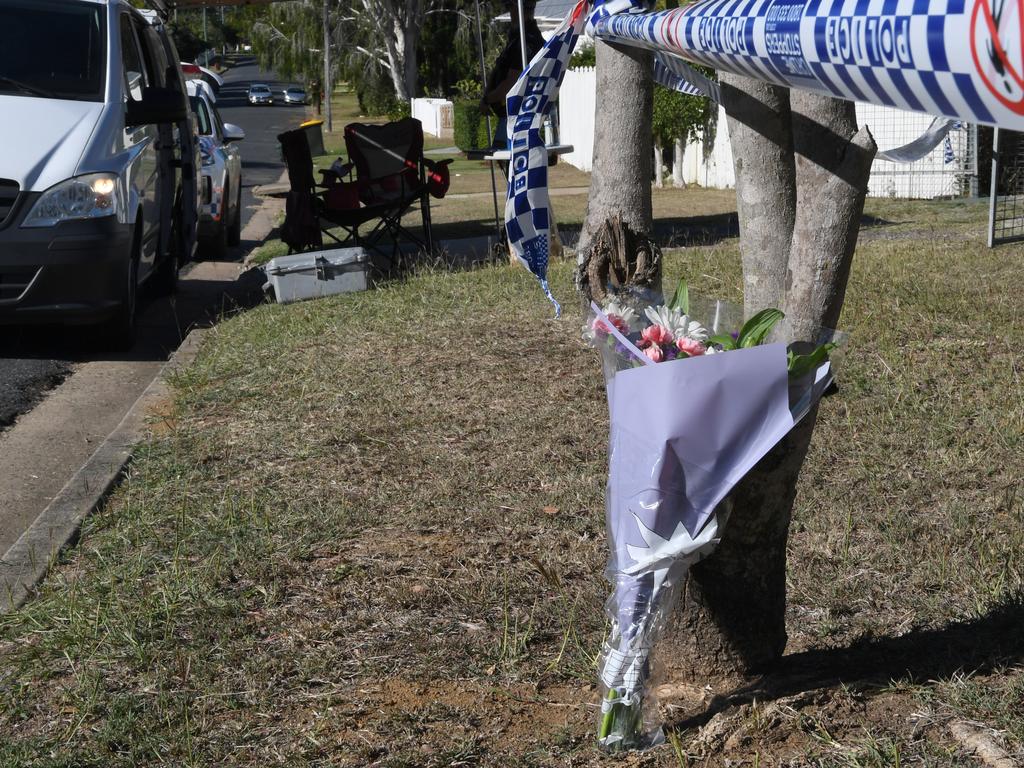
(98,170)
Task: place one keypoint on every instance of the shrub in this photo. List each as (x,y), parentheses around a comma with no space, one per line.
(399,110)
(376,96)
(468,89)
(470,127)
(585,56)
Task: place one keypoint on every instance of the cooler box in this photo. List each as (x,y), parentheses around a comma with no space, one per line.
(318,273)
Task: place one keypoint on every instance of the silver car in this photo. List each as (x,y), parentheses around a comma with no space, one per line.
(220,193)
(294,95)
(97,174)
(260,93)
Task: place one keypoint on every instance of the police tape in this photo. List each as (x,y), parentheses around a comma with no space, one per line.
(960,59)
(672,72)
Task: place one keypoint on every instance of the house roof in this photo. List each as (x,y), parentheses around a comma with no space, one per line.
(548,13)
(553,9)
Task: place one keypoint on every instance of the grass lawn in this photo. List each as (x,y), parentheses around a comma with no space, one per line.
(370,532)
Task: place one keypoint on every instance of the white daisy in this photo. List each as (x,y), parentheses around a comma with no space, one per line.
(676,323)
(626,312)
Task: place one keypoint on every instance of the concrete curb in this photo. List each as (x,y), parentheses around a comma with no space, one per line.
(27,561)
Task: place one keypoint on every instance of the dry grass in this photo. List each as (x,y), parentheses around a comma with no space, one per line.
(336,554)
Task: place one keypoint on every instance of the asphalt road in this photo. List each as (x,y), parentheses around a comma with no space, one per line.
(34,360)
(261,154)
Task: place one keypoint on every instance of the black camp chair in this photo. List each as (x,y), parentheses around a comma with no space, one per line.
(385,178)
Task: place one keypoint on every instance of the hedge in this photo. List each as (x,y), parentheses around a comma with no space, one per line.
(470,127)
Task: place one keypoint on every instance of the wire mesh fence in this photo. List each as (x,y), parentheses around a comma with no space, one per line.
(1006,207)
(949,170)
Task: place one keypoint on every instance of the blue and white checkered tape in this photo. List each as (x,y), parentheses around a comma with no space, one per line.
(961,59)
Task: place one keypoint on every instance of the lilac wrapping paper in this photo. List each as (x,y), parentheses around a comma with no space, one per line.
(683,433)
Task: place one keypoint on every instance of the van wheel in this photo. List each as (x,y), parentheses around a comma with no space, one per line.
(120,331)
(235,230)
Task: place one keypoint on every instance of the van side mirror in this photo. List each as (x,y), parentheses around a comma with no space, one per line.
(158,105)
(233,133)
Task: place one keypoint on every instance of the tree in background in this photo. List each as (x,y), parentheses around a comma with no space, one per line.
(677,119)
(222,29)
(448,47)
(387,50)
(288,39)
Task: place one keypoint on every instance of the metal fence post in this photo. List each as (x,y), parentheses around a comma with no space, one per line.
(994,189)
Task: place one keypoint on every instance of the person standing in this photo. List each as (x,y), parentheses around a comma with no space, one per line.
(509,66)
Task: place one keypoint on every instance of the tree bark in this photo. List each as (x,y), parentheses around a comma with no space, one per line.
(620,181)
(762,149)
(833,163)
(732,622)
(677,164)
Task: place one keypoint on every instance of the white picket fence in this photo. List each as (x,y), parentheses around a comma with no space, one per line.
(436,115)
(929,177)
(577,101)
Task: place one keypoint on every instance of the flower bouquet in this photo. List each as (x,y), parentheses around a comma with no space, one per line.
(694,406)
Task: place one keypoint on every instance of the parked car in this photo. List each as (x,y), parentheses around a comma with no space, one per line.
(260,94)
(98,177)
(220,190)
(294,95)
(204,74)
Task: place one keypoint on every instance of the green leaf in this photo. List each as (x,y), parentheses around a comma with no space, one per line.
(681,298)
(757,328)
(800,365)
(724,339)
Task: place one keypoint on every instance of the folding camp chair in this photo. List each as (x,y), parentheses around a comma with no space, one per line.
(392,176)
(386,177)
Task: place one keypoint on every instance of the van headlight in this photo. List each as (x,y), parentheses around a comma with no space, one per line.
(92,196)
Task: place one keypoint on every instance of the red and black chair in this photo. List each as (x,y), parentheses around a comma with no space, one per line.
(386,177)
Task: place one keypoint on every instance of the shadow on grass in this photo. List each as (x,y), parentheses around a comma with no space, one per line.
(675,232)
(981,645)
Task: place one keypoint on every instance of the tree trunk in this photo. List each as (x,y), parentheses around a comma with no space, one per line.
(396,67)
(401,51)
(833,163)
(659,166)
(410,61)
(677,164)
(732,622)
(620,182)
(762,150)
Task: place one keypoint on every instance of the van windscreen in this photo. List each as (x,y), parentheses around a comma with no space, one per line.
(55,50)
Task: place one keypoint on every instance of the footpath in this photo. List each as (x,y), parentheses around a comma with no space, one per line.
(58,461)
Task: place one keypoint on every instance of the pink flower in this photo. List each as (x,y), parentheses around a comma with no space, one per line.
(690,347)
(654,353)
(620,324)
(655,335)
